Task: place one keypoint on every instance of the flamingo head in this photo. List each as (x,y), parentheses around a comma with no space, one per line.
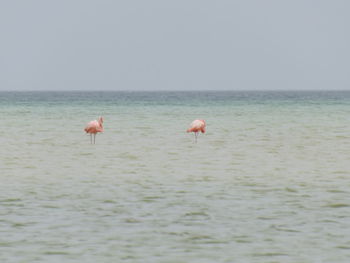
(100,120)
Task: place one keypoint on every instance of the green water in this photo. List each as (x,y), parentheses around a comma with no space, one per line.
(268,182)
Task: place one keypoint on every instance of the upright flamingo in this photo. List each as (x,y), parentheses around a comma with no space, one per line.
(196,127)
(94,127)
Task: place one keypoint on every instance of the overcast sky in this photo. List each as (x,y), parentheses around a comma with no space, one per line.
(174,45)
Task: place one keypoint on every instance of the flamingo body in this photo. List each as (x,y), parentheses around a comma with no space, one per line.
(93,127)
(196,127)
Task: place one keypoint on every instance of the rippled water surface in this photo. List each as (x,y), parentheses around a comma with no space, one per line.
(268,182)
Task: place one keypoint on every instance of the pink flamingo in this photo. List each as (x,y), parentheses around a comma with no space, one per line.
(94,127)
(196,127)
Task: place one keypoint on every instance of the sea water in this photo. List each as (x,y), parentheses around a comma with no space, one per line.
(268,182)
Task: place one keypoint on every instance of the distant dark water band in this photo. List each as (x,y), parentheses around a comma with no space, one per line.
(175,97)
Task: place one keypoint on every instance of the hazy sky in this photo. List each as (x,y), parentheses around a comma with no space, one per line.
(174,45)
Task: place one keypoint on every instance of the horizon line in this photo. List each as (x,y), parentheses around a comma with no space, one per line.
(223,90)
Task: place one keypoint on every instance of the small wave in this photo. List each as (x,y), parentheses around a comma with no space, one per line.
(131,220)
(336,191)
(199,237)
(338,205)
(51,206)
(109,201)
(243,241)
(291,190)
(10,200)
(128,156)
(343,247)
(269,254)
(265,218)
(56,253)
(5,244)
(20,224)
(198,213)
(150,199)
(283,229)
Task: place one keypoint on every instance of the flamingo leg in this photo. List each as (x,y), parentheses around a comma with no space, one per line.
(195,136)
(90,138)
(94,137)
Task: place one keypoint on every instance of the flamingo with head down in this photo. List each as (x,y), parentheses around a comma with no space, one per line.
(93,127)
(196,127)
